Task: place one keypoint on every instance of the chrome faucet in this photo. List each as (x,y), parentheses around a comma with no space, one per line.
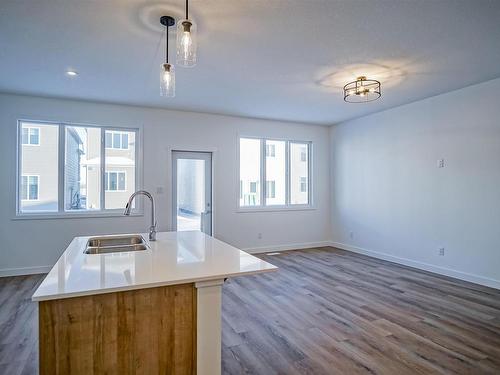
(128,208)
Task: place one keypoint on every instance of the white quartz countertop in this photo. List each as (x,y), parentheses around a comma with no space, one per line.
(174,258)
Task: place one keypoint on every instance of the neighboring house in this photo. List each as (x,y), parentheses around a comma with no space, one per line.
(119,177)
(38,182)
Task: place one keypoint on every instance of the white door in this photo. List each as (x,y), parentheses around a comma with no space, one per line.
(192,191)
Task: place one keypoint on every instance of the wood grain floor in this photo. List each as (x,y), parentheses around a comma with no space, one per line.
(326,311)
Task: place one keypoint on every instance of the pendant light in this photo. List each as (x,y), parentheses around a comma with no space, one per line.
(362,90)
(167,70)
(186,41)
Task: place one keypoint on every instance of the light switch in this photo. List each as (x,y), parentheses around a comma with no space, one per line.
(440,163)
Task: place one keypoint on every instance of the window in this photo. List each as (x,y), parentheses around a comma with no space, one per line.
(283,165)
(117,140)
(30,135)
(29,188)
(115,181)
(299,172)
(250,157)
(276,173)
(91,178)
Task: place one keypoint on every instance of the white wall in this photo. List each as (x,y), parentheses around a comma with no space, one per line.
(388,190)
(27,246)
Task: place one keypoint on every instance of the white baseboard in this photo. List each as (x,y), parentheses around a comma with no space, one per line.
(24,271)
(293,246)
(492,283)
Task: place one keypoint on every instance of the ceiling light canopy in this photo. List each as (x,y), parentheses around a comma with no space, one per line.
(362,90)
(186,41)
(167,70)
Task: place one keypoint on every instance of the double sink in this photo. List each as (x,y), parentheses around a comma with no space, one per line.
(115,244)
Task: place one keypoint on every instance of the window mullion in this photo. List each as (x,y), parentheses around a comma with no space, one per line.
(309,174)
(263,172)
(287,173)
(61,168)
(102,166)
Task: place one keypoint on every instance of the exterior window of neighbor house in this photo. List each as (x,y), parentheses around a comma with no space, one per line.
(115,181)
(283,165)
(29,188)
(117,140)
(94,178)
(30,135)
(303,185)
(271,189)
(270,150)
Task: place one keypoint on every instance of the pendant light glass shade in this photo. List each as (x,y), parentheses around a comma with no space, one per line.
(167,80)
(186,43)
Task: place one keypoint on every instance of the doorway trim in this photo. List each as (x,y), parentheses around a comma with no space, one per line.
(170,179)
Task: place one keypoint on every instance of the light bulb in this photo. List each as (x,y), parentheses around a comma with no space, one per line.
(167,80)
(186,43)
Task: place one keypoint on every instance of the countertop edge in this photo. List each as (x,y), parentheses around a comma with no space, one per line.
(126,288)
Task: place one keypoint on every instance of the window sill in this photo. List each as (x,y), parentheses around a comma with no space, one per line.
(275,209)
(83,215)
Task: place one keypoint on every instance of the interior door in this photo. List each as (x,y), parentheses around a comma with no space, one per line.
(192,191)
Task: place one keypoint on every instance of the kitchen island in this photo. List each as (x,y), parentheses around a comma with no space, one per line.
(148,311)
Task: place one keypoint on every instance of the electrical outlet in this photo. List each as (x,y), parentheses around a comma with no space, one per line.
(441,251)
(259,236)
(351,235)
(440,163)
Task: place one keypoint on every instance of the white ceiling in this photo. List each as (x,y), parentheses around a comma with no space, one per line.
(275,59)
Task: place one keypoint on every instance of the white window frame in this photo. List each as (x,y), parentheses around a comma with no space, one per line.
(287,206)
(107,190)
(28,188)
(62,213)
(113,132)
(29,127)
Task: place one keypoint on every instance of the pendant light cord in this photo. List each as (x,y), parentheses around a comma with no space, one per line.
(187,9)
(166,49)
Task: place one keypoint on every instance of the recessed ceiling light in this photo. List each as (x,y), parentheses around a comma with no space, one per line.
(72,73)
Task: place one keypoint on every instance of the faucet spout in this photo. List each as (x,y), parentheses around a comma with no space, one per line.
(128,208)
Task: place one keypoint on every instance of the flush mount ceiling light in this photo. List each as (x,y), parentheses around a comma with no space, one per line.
(71,73)
(362,90)
(167,71)
(186,41)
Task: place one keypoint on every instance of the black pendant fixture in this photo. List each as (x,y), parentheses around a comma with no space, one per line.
(167,70)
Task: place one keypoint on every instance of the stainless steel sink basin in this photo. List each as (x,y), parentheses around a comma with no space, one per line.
(115,244)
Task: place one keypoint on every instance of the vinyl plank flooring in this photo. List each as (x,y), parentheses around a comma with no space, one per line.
(326,311)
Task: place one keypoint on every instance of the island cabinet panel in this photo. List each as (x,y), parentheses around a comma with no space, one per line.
(146,331)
